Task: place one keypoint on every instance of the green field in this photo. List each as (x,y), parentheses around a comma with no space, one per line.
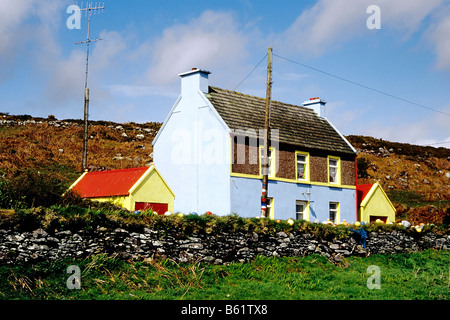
(423,275)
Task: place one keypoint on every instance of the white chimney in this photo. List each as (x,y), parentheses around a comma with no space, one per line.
(194,80)
(318,105)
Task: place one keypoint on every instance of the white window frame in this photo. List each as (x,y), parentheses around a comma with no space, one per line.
(337,167)
(335,212)
(305,164)
(305,210)
(270,208)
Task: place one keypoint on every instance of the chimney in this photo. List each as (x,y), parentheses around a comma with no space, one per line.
(194,80)
(318,105)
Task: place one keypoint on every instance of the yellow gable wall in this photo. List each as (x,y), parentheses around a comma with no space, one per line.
(152,189)
(376,203)
(123,201)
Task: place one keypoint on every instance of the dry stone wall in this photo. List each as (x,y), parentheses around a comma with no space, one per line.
(29,247)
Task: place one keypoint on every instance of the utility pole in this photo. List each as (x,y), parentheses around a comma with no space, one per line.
(265,158)
(89,8)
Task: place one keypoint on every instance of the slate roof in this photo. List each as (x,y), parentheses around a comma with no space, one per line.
(297,125)
(108,183)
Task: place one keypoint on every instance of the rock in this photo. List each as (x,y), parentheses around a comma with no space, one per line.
(334,246)
(447,175)
(140,136)
(406,224)
(338,257)
(209,259)
(65,233)
(157,243)
(39,233)
(195,246)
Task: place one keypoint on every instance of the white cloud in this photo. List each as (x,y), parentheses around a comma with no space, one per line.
(139,91)
(331,23)
(66,79)
(110,52)
(210,41)
(438,35)
(428,129)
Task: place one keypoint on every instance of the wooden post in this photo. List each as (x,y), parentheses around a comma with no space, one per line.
(265,158)
(85,131)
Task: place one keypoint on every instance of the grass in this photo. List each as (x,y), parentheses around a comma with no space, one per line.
(414,199)
(423,275)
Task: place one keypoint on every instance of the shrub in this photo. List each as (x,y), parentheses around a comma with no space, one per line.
(362,165)
(33,188)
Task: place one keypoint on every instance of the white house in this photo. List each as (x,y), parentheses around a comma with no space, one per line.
(209,146)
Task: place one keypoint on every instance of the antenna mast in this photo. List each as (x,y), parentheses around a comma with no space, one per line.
(88,9)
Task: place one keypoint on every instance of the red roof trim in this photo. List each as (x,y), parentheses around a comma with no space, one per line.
(361,192)
(108,183)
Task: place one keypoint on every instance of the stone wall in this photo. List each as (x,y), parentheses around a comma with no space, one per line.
(221,248)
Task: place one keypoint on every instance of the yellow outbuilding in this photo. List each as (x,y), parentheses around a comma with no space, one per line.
(373,204)
(134,189)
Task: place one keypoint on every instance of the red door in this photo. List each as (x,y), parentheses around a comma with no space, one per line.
(159,208)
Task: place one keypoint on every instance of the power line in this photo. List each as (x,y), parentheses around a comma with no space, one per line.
(248,75)
(361,85)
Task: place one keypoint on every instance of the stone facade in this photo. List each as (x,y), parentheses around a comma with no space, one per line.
(29,247)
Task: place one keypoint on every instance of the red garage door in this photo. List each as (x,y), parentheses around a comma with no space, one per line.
(160,208)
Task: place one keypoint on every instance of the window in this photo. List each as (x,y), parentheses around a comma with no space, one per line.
(333,170)
(334,212)
(300,210)
(302,165)
(271,161)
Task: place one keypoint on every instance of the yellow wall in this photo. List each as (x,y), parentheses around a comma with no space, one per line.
(123,201)
(152,189)
(376,203)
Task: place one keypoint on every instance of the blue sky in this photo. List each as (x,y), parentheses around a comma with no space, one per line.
(133,72)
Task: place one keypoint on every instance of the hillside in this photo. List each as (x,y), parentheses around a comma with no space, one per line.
(27,142)
(402,167)
(416,178)
(413,176)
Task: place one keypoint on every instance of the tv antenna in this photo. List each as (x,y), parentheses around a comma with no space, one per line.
(90,8)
